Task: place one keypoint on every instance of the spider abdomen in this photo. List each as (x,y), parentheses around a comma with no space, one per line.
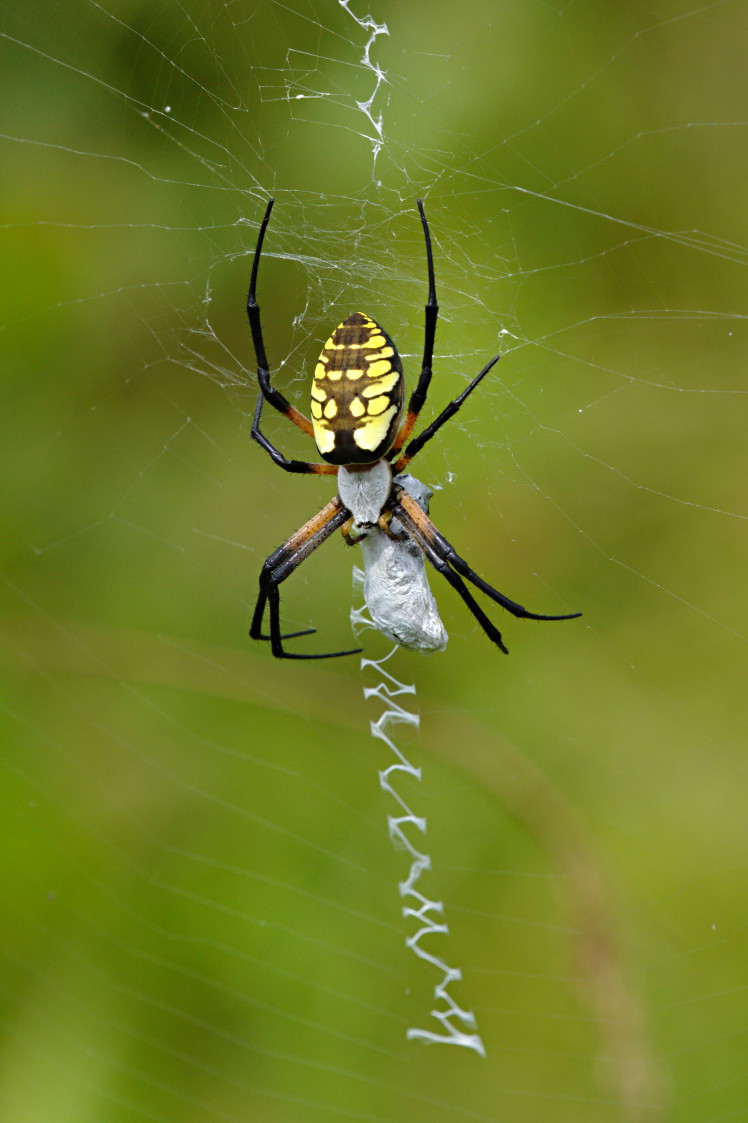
(357,393)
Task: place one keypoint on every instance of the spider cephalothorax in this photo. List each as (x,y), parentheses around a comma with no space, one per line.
(356,406)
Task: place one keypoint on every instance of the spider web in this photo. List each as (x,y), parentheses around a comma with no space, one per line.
(201,918)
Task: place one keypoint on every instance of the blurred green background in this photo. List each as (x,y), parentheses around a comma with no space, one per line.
(201,919)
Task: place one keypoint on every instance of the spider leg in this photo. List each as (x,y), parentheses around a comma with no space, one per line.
(302,536)
(440,564)
(431,313)
(281,564)
(272,396)
(419,525)
(418,442)
(302,467)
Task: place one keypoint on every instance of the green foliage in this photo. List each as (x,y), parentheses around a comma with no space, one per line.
(202,919)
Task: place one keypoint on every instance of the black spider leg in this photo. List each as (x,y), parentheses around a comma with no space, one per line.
(441,565)
(418,442)
(301,467)
(267,392)
(307,534)
(280,565)
(272,396)
(431,314)
(446,550)
(425,533)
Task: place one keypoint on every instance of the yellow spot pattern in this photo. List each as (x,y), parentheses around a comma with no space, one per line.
(357,393)
(377,406)
(381,385)
(379,367)
(369,437)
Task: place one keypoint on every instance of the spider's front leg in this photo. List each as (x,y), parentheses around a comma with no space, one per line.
(268,393)
(272,396)
(301,467)
(431,315)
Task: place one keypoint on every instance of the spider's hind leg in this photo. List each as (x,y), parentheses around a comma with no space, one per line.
(443,557)
(280,565)
(441,565)
(255,629)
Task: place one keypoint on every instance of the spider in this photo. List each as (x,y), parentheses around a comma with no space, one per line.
(356,406)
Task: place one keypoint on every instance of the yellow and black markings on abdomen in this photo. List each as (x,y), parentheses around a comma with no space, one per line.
(357,393)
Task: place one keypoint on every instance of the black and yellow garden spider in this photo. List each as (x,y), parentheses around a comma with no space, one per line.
(356,406)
